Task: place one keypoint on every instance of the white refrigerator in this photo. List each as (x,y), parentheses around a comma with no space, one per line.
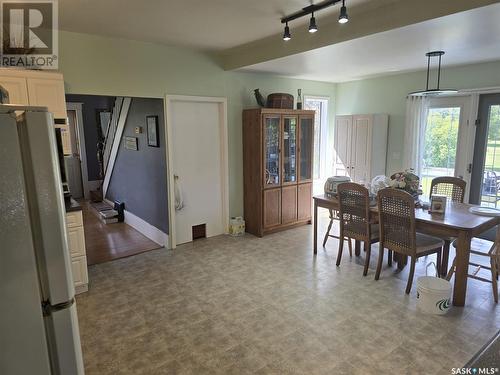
(38,322)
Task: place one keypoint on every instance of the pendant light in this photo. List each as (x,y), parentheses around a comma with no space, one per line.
(437,91)
(343,18)
(312,24)
(286,35)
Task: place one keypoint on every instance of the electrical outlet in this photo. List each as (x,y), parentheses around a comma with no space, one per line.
(138,130)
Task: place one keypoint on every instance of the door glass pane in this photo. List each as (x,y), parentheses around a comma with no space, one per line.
(491,178)
(290,150)
(440,145)
(271,150)
(306,139)
(316,105)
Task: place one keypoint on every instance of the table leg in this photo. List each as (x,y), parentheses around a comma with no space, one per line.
(357,248)
(315,235)
(462,267)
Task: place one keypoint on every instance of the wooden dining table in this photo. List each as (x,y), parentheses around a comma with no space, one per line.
(456,222)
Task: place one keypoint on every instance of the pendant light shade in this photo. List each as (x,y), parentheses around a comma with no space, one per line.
(312,24)
(286,35)
(437,91)
(343,17)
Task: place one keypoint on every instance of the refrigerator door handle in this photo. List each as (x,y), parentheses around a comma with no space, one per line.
(48,309)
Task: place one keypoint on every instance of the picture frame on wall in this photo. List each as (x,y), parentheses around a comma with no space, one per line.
(152,131)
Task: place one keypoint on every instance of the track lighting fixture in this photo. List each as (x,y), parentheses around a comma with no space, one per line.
(343,18)
(286,35)
(312,24)
(310,10)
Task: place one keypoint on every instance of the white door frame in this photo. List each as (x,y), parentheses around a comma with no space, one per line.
(169,100)
(77,107)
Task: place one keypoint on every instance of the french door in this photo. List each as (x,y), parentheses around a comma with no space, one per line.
(485,180)
(446,139)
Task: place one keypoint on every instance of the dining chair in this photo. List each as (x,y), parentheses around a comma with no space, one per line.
(454,189)
(398,231)
(334,215)
(482,248)
(355,222)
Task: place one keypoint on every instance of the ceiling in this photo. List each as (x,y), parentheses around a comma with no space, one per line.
(210,25)
(467,37)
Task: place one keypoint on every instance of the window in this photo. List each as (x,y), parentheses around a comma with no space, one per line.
(320,105)
(440,144)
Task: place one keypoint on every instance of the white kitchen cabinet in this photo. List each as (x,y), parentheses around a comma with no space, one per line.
(48,92)
(78,253)
(17,89)
(360,143)
(37,88)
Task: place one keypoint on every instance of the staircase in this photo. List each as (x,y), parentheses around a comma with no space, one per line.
(113,138)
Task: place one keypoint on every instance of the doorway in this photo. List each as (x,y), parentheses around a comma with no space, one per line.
(445,139)
(485,184)
(76,163)
(198,166)
(322,168)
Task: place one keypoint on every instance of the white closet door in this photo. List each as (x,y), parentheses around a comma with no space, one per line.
(361,148)
(342,142)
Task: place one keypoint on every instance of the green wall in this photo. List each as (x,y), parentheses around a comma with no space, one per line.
(110,66)
(388,95)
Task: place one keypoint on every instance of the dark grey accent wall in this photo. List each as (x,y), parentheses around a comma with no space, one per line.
(91,103)
(139,177)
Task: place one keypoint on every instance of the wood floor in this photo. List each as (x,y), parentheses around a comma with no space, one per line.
(105,242)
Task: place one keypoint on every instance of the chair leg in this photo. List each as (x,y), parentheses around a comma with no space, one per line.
(443,267)
(379,262)
(368,250)
(410,276)
(389,260)
(494,274)
(328,230)
(452,269)
(349,243)
(439,264)
(341,247)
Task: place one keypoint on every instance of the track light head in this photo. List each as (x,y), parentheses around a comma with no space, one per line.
(312,24)
(286,35)
(343,17)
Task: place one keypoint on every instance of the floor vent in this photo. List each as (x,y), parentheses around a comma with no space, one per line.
(199,231)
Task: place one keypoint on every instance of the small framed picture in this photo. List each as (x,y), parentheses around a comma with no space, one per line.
(152,127)
(438,204)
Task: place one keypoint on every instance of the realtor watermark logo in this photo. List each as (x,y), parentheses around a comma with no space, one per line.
(29,34)
(474,371)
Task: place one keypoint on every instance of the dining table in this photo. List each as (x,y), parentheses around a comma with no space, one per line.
(456,222)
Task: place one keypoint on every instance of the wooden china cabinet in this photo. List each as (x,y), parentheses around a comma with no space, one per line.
(278,148)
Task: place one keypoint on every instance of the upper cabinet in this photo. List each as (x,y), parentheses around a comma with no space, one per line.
(48,93)
(17,89)
(37,88)
(360,144)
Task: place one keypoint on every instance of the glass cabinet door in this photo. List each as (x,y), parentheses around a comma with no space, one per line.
(271,151)
(289,150)
(306,148)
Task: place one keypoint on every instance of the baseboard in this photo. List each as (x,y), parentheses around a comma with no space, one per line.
(142,226)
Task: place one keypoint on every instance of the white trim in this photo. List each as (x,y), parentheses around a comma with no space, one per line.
(116,144)
(143,227)
(222,101)
(150,231)
(77,107)
(484,90)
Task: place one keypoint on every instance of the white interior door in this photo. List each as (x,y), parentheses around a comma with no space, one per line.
(342,142)
(197,143)
(360,151)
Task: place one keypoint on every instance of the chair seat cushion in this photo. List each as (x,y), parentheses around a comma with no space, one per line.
(426,243)
(478,245)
